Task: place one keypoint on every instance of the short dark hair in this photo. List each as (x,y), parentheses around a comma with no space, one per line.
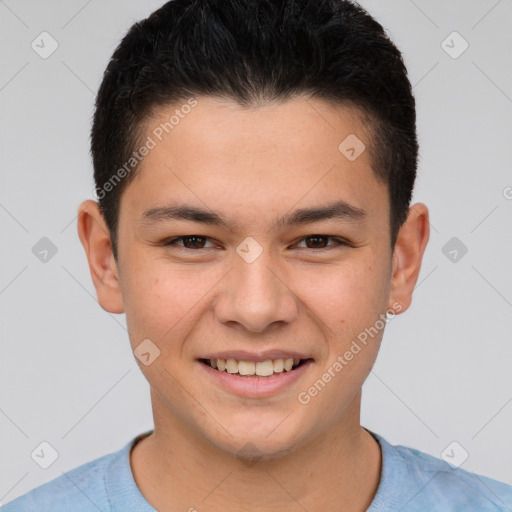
(252,52)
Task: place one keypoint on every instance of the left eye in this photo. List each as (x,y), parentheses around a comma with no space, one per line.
(317,239)
(197,241)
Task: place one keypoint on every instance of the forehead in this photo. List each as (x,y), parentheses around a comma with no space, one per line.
(270,156)
(217,124)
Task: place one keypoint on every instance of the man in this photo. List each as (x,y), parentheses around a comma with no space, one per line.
(254,164)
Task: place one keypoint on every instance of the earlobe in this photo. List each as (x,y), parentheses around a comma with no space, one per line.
(407,256)
(95,238)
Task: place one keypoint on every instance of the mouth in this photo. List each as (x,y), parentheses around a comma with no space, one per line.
(256,369)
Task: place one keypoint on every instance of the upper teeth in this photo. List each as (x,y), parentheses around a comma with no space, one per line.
(261,368)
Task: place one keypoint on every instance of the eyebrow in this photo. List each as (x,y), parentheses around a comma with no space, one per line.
(339,210)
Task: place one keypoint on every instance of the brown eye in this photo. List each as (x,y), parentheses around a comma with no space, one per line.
(321,242)
(317,242)
(189,241)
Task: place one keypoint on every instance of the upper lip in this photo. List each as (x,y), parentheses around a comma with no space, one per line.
(244,355)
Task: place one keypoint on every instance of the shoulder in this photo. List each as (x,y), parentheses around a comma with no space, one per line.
(419,481)
(81,489)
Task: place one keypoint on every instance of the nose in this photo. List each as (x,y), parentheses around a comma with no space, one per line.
(256,296)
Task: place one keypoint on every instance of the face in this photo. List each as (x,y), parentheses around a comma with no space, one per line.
(257,277)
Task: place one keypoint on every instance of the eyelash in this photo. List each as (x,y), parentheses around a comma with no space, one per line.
(339,242)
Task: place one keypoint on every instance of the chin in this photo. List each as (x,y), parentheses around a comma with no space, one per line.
(257,445)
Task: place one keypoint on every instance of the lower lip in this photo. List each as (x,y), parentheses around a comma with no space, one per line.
(256,387)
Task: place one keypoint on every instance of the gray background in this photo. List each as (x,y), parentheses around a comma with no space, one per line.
(67,373)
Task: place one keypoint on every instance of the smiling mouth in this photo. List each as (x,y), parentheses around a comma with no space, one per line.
(264,369)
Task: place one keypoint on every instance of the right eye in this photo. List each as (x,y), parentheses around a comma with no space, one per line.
(189,242)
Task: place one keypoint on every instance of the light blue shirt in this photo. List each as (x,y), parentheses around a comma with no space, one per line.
(411,481)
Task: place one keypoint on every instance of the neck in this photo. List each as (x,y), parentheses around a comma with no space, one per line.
(176,470)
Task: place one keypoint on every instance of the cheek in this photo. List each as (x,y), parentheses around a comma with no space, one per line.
(165,302)
(348,296)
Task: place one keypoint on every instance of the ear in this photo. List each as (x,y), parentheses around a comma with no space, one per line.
(407,256)
(95,237)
